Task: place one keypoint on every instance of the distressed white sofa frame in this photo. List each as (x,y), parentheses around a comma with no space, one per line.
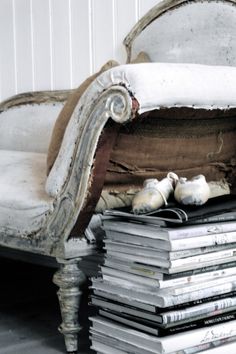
(38,213)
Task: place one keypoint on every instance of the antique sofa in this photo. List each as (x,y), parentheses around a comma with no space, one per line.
(133,122)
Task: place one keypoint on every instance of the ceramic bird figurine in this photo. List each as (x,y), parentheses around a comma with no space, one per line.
(154,194)
(195,191)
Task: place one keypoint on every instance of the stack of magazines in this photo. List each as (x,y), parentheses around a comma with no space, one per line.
(168,284)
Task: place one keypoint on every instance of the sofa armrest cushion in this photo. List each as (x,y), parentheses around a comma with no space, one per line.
(66,112)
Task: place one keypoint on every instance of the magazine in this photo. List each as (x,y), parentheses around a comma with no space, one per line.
(167,233)
(172,245)
(125,247)
(166,344)
(145,306)
(107,344)
(160,298)
(166,319)
(165,263)
(176,289)
(150,327)
(222,208)
(166,266)
(145,270)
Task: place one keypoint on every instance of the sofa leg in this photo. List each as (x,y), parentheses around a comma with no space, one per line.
(69,279)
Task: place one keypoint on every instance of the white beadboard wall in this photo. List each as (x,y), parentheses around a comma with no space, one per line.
(55,44)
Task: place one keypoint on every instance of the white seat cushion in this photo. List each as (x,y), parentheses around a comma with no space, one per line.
(24,204)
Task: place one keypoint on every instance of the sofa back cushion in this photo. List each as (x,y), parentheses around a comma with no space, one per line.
(27,127)
(182,31)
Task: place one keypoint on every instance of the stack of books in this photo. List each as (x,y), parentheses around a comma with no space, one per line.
(167,286)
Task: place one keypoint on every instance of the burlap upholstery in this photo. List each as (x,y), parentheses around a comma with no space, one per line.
(66,112)
(186,141)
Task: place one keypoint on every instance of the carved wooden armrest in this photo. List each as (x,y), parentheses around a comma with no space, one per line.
(118,96)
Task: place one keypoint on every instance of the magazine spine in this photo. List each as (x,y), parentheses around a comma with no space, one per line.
(180,244)
(208,276)
(166,233)
(129,277)
(206,322)
(202,241)
(177,278)
(204,309)
(144,284)
(165,265)
(160,298)
(175,289)
(173,255)
(204,257)
(201,230)
(199,286)
(199,271)
(130,249)
(167,344)
(171,300)
(199,336)
(227,216)
(144,306)
(162,332)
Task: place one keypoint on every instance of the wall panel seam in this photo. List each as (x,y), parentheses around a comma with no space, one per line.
(91,36)
(70,44)
(14,45)
(50,44)
(32,45)
(114,28)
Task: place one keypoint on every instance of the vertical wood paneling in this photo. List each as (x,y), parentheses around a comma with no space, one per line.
(146,5)
(81,40)
(126,13)
(56,44)
(102,32)
(41,44)
(7,53)
(1,93)
(61,51)
(24,64)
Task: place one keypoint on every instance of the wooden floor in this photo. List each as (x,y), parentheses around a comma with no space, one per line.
(29,311)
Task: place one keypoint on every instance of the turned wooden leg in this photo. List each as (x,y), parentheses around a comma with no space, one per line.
(69,279)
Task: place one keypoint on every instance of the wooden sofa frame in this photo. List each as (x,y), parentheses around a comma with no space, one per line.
(63,238)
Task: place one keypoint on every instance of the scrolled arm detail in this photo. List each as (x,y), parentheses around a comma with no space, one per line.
(117,107)
(115,103)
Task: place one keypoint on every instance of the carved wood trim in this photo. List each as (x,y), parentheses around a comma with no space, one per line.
(114,103)
(37,97)
(101,160)
(69,278)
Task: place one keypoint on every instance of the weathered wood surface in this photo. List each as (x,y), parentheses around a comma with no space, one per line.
(69,278)
(36,97)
